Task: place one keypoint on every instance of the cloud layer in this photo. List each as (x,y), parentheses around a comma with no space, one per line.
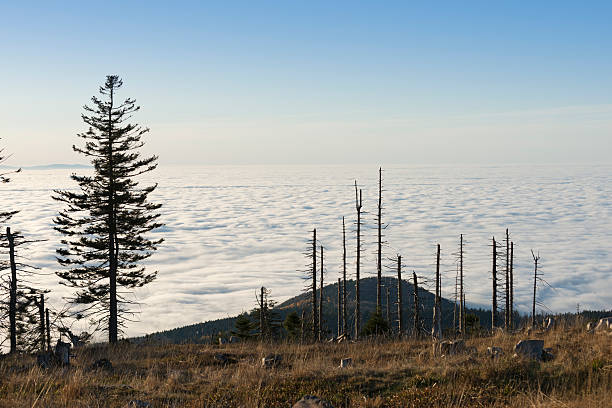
(231,229)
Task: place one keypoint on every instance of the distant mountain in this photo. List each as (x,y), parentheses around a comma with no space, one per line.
(202,332)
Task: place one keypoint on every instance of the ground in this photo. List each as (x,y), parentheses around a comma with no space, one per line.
(387,373)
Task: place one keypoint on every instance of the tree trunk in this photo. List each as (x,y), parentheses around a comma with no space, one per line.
(437,312)
(113,327)
(400,326)
(41,316)
(48,330)
(507,311)
(535,281)
(379,259)
(13,293)
(388,306)
(315,328)
(511,284)
(321,300)
(344,317)
(415,287)
(494,309)
(339,329)
(461,310)
(357,294)
(262,318)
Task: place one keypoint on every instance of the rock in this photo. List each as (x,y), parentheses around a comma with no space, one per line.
(310,401)
(271,360)
(62,353)
(44,360)
(450,347)
(549,323)
(529,348)
(346,362)
(495,352)
(102,363)
(221,358)
(604,324)
(222,340)
(590,326)
(341,338)
(234,339)
(138,404)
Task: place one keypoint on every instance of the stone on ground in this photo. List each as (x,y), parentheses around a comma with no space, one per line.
(310,401)
(530,348)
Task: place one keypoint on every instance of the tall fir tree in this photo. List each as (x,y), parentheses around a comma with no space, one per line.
(106,221)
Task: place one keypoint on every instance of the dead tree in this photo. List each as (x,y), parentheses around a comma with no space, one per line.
(388,304)
(344,317)
(494,272)
(262,314)
(456,297)
(321,299)
(511,284)
(339,331)
(379,259)
(415,288)
(461,304)
(436,330)
(48,330)
(358,206)
(399,296)
(507,311)
(536,258)
(315,320)
(41,315)
(13,292)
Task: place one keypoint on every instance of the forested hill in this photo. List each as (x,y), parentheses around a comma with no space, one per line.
(202,332)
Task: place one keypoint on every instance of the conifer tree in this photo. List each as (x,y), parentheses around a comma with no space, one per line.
(243,327)
(106,221)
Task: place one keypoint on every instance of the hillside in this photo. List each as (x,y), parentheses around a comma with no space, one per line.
(202,332)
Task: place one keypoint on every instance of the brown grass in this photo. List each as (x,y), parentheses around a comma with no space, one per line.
(384,374)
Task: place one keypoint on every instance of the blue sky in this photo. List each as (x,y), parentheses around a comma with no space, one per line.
(314,82)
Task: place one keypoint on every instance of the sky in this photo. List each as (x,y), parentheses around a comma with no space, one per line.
(316,82)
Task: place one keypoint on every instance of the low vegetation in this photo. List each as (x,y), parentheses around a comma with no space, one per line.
(383,374)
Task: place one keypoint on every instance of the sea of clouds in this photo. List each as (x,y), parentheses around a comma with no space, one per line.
(232,229)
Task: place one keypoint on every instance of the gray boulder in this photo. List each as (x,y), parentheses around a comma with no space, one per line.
(450,347)
(271,360)
(604,324)
(529,348)
(138,404)
(310,401)
(346,362)
(495,352)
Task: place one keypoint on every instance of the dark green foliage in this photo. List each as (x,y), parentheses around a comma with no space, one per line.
(105,220)
(293,325)
(243,327)
(376,325)
(472,323)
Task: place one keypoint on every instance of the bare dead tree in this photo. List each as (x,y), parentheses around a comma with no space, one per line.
(41,316)
(436,330)
(399,296)
(379,258)
(358,206)
(315,320)
(339,329)
(494,272)
(456,297)
(511,285)
(388,304)
(48,329)
(344,316)
(461,304)
(536,258)
(507,311)
(13,292)
(321,299)
(415,288)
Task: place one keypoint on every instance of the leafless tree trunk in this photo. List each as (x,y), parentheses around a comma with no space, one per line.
(302,327)
(536,258)
(511,284)
(13,293)
(415,287)
(437,312)
(339,331)
(358,203)
(456,295)
(507,286)
(315,321)
(262,315)
(344,317)
(321,300)
(41,314)
(494,310)
(388,305)
(461,305)
(379,259)
(48,330)
(399,296)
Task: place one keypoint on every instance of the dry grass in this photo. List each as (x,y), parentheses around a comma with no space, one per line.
(384,374)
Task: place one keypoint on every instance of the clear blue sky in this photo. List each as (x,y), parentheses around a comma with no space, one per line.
(316,82)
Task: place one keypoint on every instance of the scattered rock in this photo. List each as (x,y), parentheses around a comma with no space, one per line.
(547,354)
(530,348)
(495,352)
(234,339)
(346,362)
(341,338)
(310,401)
(62,353)
(222,340)
(102,363)
(222,358)
(271,360)
(604,324)
(138,404)
(590,326)
(450,347)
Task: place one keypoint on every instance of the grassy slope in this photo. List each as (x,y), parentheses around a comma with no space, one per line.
(389,374)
